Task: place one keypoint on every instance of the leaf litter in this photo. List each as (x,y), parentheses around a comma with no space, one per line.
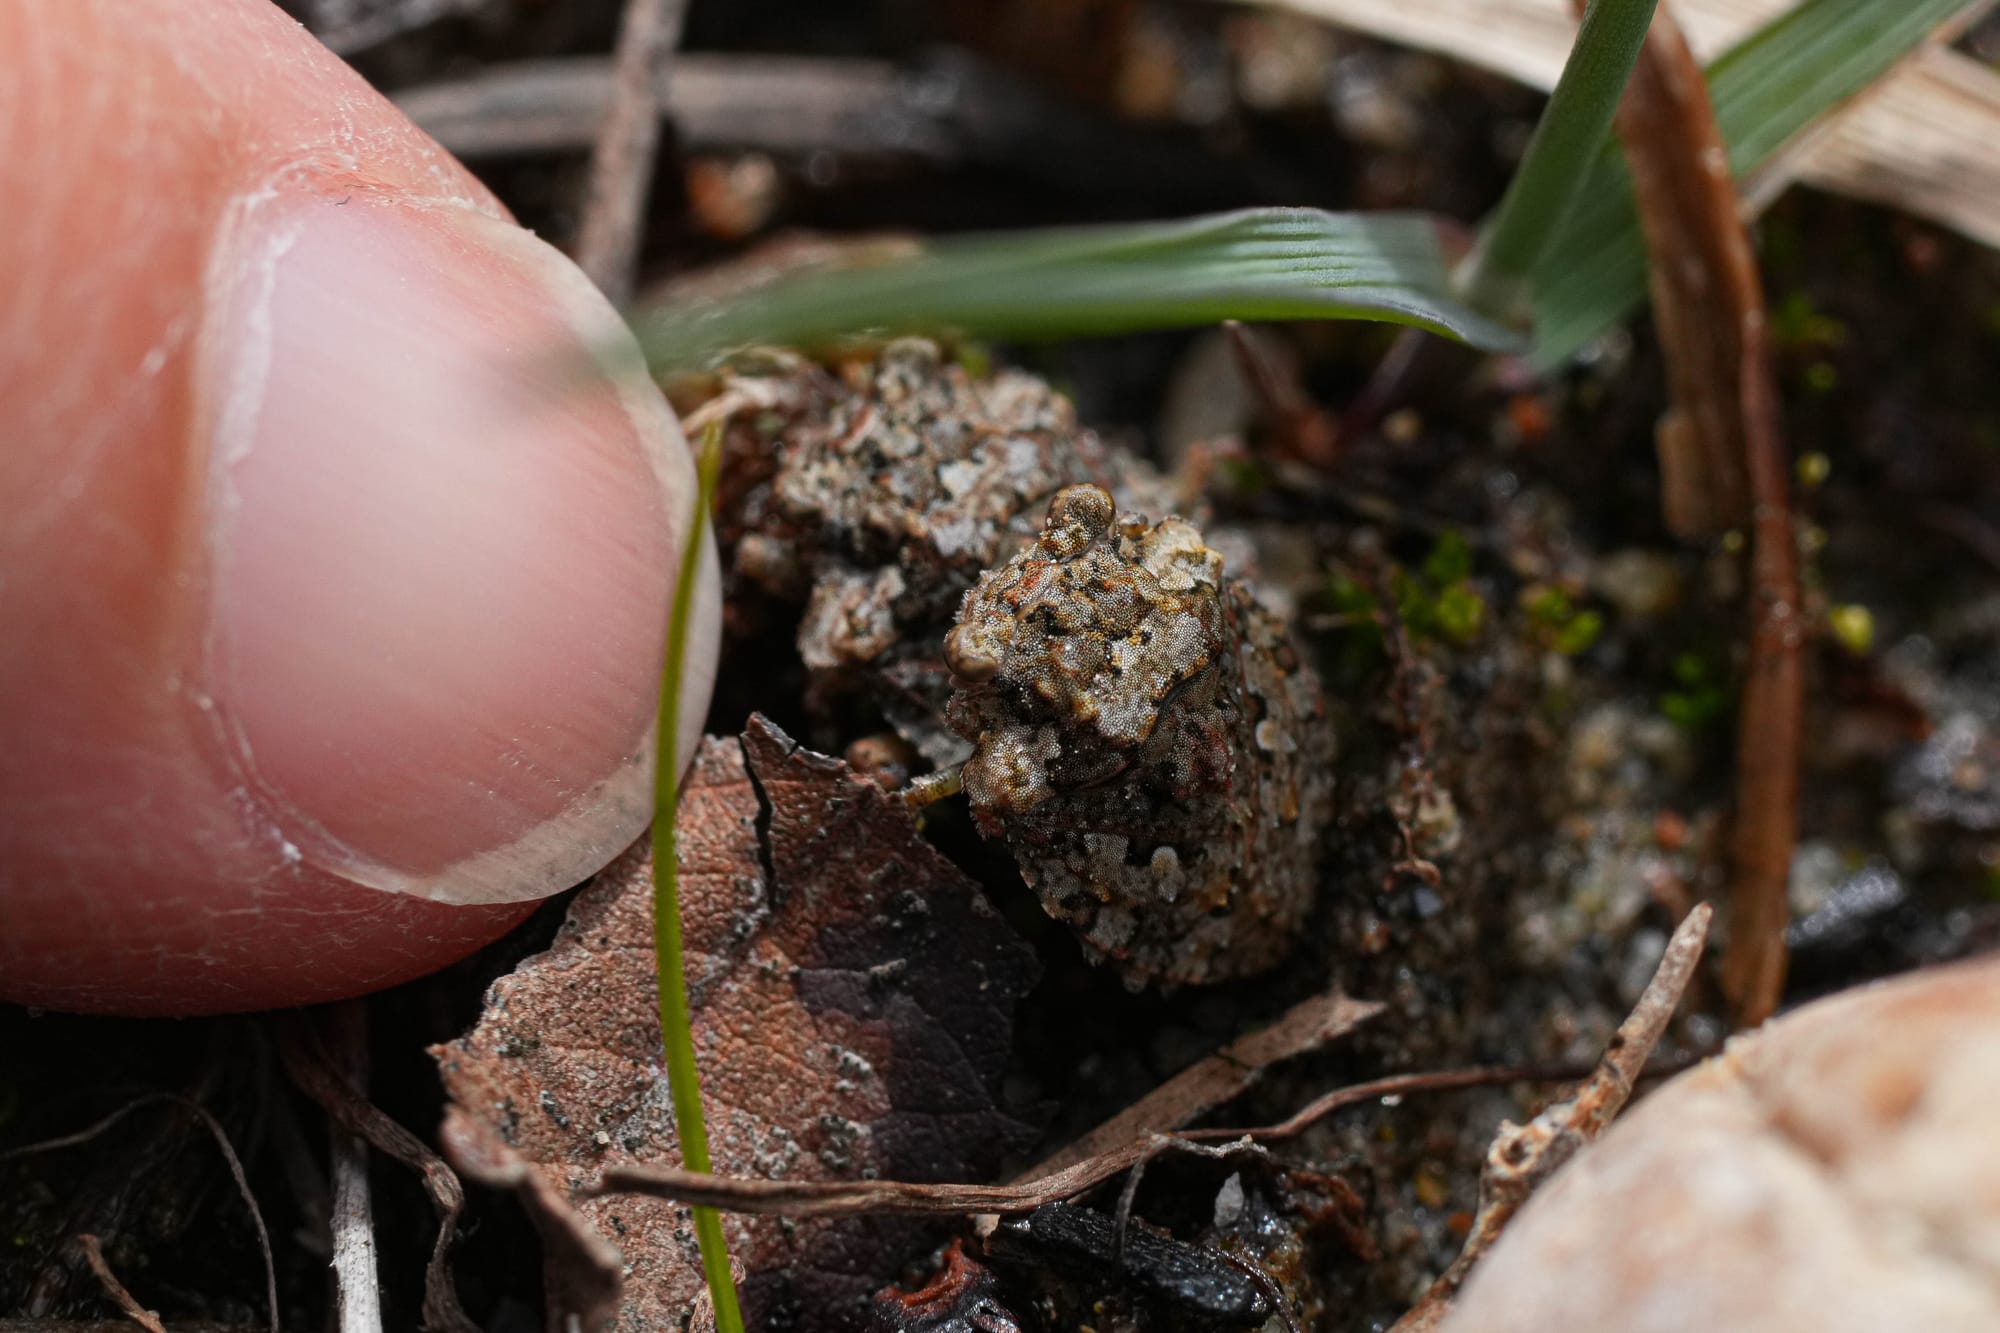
(853,998)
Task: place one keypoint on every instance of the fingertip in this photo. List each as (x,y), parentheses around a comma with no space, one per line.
(441,557)
(242,692)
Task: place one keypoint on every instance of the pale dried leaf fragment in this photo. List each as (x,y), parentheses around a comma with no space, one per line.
(852,997)
(1925,138)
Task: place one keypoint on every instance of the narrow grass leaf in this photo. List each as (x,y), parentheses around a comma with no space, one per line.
(1556,166)
(676,1024)
(1765,91)
(1258,264)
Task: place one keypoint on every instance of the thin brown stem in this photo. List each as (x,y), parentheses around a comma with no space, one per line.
(93,1255)
(862,1198)
(621,162)
(1724,465)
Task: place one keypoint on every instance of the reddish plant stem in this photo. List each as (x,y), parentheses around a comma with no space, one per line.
(1724,462)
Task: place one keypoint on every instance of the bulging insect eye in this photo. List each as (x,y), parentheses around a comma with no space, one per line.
(970,659)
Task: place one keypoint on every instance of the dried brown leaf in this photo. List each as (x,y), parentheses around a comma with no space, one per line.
(583,1273)
(852,996)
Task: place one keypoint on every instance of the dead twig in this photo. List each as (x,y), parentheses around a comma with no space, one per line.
(86,1134)
(313,1072)
(1703,279)
(621,160)
(1723,464)
(1299,428)
(1209,1082)
(1160,1145)
(1273,1292)
(860,1198)
(1523,1156)
(34,1325)
(351,1219)
(1769,731)
(943,110)
(93,1254)
(788,105)
(348,26)
(1215,1079)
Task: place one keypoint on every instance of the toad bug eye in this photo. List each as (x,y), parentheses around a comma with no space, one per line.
(1079,518)
(969,659)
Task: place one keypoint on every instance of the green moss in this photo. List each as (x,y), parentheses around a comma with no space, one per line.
(1558,622)
(1696,700)
(1582,631)
(1450,560)
(1459,613)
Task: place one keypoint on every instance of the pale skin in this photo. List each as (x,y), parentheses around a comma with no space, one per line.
(331,609)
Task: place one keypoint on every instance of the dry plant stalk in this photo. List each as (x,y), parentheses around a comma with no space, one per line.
(93,1255)
(1523,1156)
(621,162)
(1723,463)
(357,1286)
(1215,1079)
(862,1198)
(313,1070)
(583,1273)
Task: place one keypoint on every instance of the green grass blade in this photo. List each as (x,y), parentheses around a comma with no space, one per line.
(1765,90)
(1556,166)
(676,1025)
(1259,264)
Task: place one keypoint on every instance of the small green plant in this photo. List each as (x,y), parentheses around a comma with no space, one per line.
(1766,91)
(1356,619)
(1435,603)
(1572,132)
(1697,699)
(676,1023)
(1797,323)
(1559,622)
(1439,603)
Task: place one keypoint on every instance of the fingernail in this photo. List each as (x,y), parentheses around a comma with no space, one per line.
(441,557)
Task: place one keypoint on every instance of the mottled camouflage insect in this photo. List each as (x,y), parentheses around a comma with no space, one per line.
(1148,741)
